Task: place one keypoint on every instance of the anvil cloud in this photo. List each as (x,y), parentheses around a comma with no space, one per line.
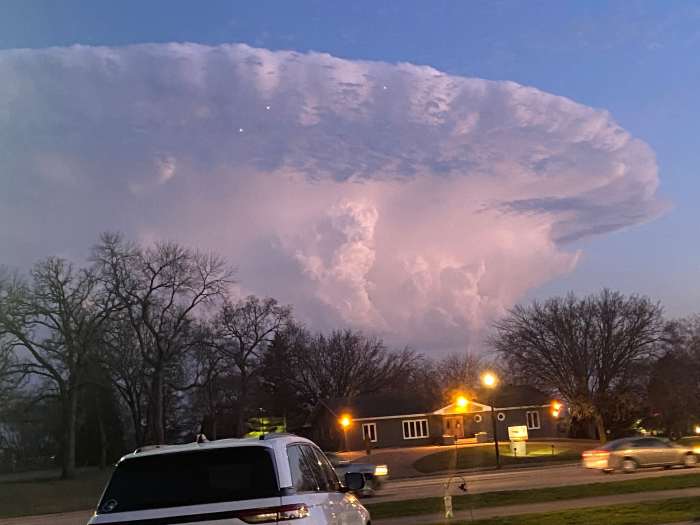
(392,198)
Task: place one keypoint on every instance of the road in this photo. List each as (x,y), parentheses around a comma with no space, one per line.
(514,479)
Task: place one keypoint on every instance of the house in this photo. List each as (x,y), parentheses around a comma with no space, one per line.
(395,420)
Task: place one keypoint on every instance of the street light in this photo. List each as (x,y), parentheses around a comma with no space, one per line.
(345,421)
(556,408)
(462,403)
(489,380)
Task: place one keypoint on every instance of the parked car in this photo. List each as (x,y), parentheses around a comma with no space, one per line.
(690,442)
(272,479)
(374,475)
(629,454)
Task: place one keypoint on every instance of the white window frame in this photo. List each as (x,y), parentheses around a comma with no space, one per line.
(415,428)
(530,417)
(365,432)
(501,416)
(478,418)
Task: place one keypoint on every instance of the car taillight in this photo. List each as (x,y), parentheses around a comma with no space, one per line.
(274,514)
(596,454)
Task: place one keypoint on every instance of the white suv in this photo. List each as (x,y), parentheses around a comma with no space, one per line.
(274,479)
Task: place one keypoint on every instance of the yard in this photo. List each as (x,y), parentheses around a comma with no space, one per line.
(480,456)
(651,513)
(416,507)
(46,496)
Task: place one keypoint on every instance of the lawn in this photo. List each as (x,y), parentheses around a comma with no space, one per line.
(651,513)
(23,498)
(414,507)
(485,456)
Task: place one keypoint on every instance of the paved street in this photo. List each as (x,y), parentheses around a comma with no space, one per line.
(514,479)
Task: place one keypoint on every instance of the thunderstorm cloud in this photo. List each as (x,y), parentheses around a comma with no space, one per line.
(392,198)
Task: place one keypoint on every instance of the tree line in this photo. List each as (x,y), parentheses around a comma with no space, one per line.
(145,344)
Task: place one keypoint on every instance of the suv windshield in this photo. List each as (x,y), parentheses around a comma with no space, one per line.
(190,478)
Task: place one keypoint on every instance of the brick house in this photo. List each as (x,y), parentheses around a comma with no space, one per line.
(392,420)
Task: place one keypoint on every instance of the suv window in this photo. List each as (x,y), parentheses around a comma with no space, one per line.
(191,478)
(329,475)
(303,478)
(322,481)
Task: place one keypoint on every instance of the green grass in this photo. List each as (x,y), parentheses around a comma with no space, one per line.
(25,498)
(651,513)
(414,507)
(485,456)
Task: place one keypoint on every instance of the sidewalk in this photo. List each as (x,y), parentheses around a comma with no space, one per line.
(550,506)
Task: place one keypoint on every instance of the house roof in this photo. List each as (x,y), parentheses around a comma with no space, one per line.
(393,404)
(513,396)
(381,405)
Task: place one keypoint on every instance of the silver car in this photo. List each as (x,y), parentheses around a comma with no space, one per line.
(629,454)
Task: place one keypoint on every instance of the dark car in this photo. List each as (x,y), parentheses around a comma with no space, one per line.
(629,454)
(375,475)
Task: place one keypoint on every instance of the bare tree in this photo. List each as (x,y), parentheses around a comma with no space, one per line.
(55,319)
(161,287)
(246,328)
(127,371)
(457,372)
(674,382)
(585,349)
(348,364)
(9,378)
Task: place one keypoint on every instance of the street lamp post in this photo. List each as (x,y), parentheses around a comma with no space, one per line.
(489,380)
(345,423)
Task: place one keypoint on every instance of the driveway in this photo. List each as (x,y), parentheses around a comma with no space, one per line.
(401,459)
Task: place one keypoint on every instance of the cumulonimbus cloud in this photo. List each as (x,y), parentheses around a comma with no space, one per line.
(393,198)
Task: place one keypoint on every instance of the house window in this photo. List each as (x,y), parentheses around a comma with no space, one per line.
(533,420)
(501,416)
(415,428)
(369,432)
(477,418)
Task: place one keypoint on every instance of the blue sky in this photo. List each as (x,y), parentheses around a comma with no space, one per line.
(638,60)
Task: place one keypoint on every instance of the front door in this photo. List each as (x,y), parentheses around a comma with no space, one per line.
(454,426)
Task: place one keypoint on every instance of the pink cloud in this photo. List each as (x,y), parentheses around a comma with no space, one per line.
(393,198)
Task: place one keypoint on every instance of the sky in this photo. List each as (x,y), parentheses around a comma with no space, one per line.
(408,168)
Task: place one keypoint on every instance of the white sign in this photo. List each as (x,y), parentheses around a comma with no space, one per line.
(517,433)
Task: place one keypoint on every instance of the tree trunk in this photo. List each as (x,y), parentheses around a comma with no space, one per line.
(71,414)
(242,397)
(157,423)
(103,441)
(600,427)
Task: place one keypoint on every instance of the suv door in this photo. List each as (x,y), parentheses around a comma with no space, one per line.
(345,505)
(316,485)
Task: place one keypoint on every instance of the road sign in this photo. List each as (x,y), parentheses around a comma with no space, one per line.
(517,433)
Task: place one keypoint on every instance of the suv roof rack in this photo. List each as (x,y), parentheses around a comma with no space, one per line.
(273,435)
(144,448)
